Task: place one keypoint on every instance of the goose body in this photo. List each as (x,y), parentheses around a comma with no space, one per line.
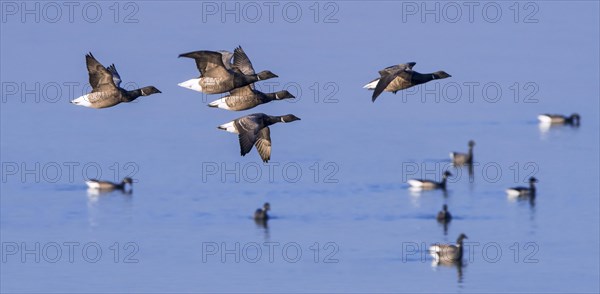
(253,130)
(448,253)
(558,119)
(247,97)
(429,184)
(106,185)
(463,158)
(444,215)
(106,87)
(218,76)
(261,213)
(400,77)
(523,191)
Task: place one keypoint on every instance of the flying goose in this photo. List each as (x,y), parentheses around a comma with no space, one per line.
(399,77)
(108,186)
(106,87)
(448,253)
(463,158)
(261,214)
(216,77)
(254,129)
(429,184)
(246,97)
(558,119)
(444,215)
(523,191)
(390,69)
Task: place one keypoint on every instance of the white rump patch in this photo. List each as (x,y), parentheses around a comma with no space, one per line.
(544,119)
(513,193)
(371,85)
(230,127)
(415,183)
(220,103)
(192,84)
(82,101)
(92,184)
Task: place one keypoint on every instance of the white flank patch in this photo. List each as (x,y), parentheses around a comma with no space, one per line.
(230,127)
(415,183)
(371,85)
(512,193)
(220,103)
(82,101)
(451,155)
(92,184)
(434,252)
(545,119)
(192,84)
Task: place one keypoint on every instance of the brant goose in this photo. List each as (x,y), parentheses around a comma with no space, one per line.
(108,186)
(216,78)
(558,119)
(463,158)
(106,87)
(246,97)
(523,191)
(253,129)
(448,253)
(444,215)
(372,84)
(428,184)
(261,213)
(400,77)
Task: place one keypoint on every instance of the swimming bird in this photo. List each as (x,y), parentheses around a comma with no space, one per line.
(523,191)
(254,129)
(558,119)
(463,158)
(448,253)
(261,214)
(108,186)
(106,87)
(215,76)
(400,77)
(246,97)
(444,215)
(429,184)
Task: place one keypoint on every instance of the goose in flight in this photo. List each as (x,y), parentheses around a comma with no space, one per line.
(106,87)
(217,76)
(399,77)
(254,129)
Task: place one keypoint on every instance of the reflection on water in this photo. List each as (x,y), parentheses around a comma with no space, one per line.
(101,203)
(458,265)
(263,225)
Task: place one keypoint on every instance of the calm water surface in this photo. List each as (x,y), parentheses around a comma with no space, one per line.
(344,219)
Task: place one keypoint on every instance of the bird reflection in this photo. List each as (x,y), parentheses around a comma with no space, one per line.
(459,264)
(443,218)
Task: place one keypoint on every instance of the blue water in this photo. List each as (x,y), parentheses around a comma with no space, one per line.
(344,219)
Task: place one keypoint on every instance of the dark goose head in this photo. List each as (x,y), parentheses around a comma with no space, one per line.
(441,75)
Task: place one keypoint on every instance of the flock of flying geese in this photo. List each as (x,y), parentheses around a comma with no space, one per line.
(224,71)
